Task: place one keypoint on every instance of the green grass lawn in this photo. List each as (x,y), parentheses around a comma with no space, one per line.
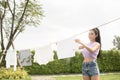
(103,77)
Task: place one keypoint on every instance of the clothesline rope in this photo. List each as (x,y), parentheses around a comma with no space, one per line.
(91,28)
(98,26)
(83,32)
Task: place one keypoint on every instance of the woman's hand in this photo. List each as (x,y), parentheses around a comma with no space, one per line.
(81,47)
(77,40)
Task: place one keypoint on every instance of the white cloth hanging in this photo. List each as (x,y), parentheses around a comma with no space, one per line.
(67,48)
(43,55)
(11,59)
(25,57)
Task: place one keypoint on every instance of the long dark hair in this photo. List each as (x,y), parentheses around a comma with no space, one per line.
(98,38)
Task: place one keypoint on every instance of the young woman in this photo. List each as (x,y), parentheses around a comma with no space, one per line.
(91,51)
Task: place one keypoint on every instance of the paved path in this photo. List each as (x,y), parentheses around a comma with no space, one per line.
(50,77)
(42,78)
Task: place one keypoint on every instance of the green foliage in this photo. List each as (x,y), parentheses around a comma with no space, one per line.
(3,3)
(10,74)
(109,61)
(55,57)
(76,63)
(34,13)
(59,66)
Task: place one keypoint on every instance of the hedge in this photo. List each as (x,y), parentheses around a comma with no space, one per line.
(109,61)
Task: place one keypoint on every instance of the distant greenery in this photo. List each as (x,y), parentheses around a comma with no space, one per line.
(55,57)
(109,61)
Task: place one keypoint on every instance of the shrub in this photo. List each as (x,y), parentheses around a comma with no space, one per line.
(59,66)
(76,63)
(10,74)
(109,61)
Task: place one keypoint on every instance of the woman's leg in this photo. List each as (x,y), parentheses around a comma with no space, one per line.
(86,78)
(97,77)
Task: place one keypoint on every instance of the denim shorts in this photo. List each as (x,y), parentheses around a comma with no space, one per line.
(90,68)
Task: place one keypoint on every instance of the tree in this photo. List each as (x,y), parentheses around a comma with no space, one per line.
(55,57)
(116,42)
(15,16)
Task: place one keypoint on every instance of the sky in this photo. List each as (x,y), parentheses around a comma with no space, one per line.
(66,18)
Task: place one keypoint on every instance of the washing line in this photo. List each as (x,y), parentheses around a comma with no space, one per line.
(91,28)
(106,23)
